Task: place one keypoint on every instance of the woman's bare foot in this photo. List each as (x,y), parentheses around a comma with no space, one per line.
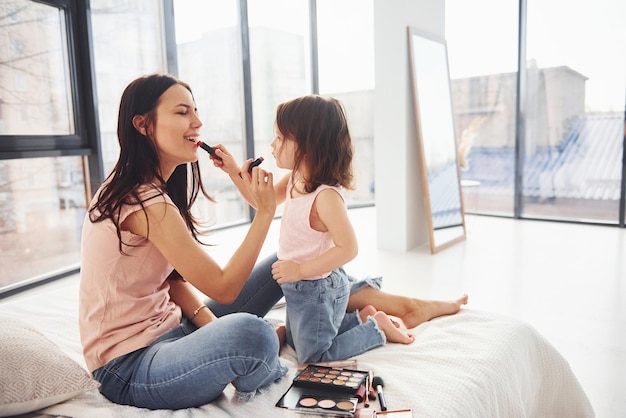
(393,334)
(281,332)
(419,311)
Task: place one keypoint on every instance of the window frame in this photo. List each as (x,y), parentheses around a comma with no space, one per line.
(85,140)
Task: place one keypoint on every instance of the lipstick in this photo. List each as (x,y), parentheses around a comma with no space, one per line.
(209,149)
(253,164)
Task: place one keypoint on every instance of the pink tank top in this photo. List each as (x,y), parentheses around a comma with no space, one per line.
(298,241)
(124,300)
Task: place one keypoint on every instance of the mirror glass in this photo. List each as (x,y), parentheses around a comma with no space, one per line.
(435,132)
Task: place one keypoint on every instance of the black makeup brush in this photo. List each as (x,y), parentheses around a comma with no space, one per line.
(378,383)
(367,391)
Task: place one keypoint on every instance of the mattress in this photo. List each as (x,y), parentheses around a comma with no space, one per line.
(472,364)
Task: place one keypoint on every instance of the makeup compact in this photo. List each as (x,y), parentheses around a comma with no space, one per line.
(327,405)
(324,390)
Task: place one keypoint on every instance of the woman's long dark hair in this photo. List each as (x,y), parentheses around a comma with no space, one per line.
(138,163)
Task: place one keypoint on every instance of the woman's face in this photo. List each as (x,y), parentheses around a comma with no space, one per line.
(176,128)
(283,150)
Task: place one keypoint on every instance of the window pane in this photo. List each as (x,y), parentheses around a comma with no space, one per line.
(42,204)
(209,59)
(575,116)
(482,52)
(35,96)
(280,64)
(345,34)
(128,43)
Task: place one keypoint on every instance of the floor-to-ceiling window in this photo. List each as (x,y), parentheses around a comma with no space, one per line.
(128,42)
(553,151)
(345,38)
(482,43)
(280,65)
(576,79)
(52,152)
(42,140)
(209,44)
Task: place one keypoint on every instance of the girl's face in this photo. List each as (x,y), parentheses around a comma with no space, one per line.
(283,150)
(176,128)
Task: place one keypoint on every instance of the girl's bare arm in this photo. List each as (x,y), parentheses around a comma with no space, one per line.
(328,214)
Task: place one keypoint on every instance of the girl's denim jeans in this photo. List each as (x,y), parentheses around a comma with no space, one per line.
(318,327)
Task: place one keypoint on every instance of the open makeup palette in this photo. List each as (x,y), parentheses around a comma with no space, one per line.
(325,390)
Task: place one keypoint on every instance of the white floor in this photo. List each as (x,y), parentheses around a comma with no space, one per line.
(567,280)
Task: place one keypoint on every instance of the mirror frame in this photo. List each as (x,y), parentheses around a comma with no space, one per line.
(444,236)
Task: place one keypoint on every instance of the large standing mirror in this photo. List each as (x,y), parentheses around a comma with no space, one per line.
(435,132)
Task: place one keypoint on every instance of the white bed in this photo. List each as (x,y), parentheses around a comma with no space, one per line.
(473,364)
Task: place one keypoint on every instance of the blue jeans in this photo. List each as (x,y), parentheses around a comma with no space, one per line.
(318,327)
(190,366)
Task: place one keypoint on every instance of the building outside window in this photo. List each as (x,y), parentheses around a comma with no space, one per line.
(572,106)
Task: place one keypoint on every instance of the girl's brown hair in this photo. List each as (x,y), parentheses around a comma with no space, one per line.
(320,128)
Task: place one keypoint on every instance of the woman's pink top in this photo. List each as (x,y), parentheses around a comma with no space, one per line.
(297,240)
(124,299)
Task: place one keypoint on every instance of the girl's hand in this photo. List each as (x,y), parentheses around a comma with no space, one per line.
(285,271)
(260,188)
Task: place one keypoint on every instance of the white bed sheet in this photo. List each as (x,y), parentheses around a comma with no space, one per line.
(473,364)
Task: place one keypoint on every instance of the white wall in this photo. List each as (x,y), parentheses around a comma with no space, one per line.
(401,222)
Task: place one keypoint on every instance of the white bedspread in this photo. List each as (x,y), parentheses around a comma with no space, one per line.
(473,364)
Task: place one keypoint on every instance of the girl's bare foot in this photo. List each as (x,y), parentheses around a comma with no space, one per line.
(419,311)
(393,334)
(366,312)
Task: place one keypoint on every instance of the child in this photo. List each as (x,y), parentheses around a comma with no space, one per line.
(312,139)
(316,236)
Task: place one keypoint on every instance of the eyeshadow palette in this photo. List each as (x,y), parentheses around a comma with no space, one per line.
(320,404)
(343,380)
(325,390)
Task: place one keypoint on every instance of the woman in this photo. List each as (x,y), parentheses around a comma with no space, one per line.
(147,337)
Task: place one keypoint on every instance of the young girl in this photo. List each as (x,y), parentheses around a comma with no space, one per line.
(147,337)
(316,236)
(312,139)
